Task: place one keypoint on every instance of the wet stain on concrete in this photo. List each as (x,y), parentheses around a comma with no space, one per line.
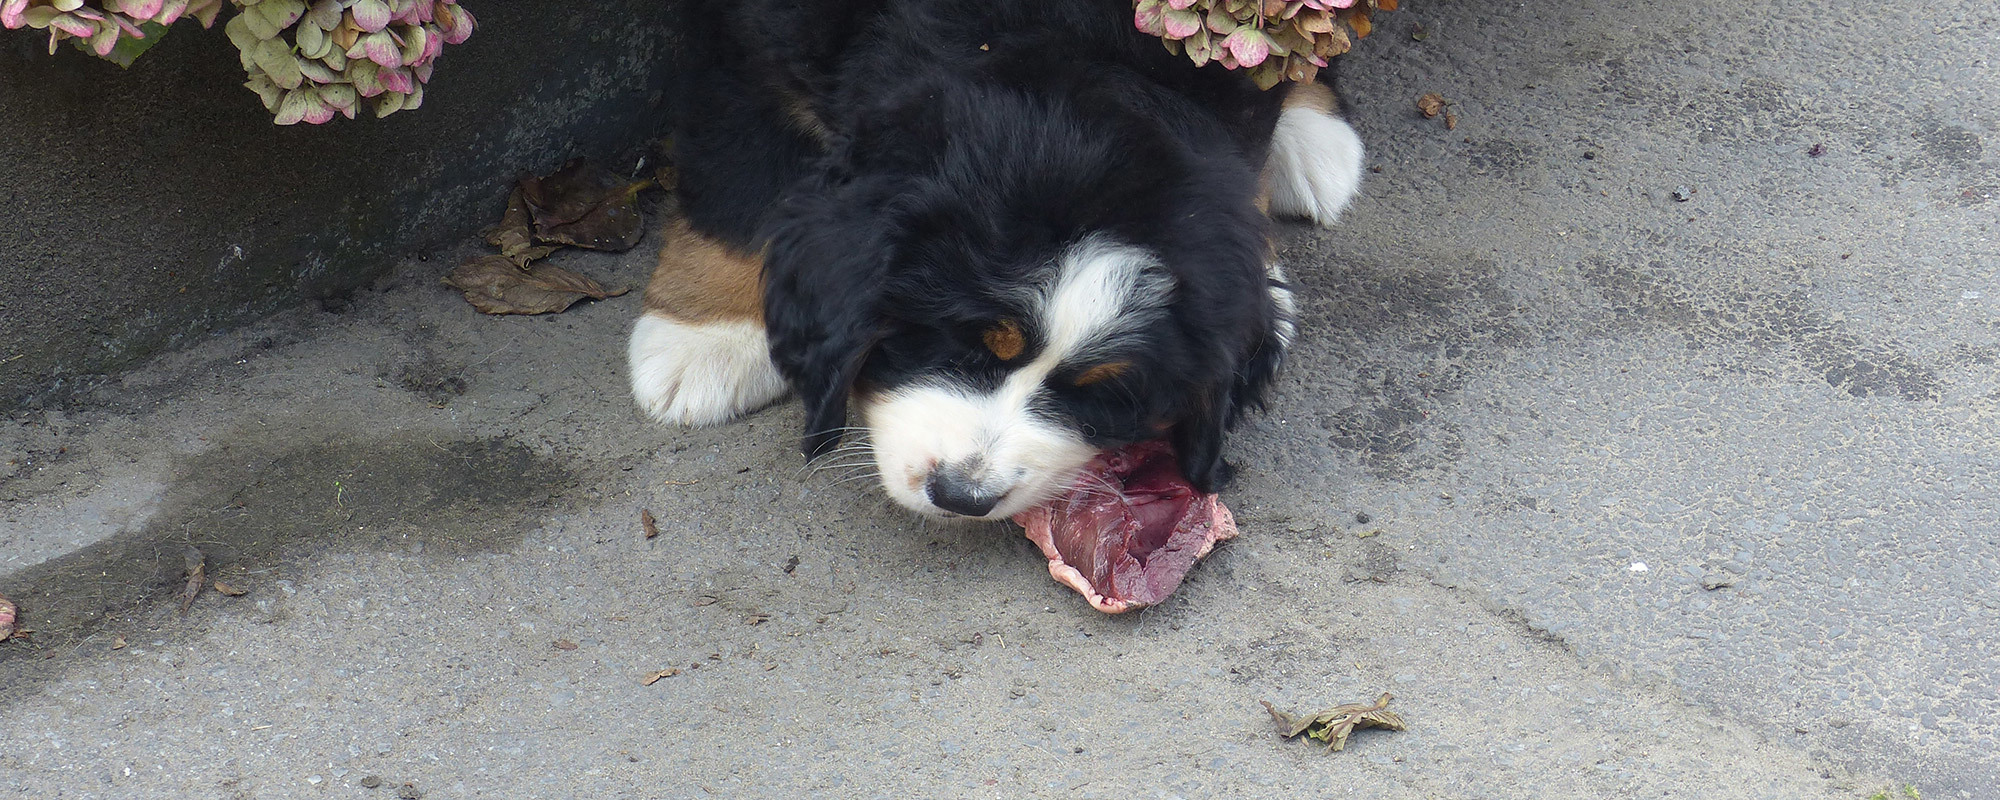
(1947,146)
(437,382)
(1776,318)
(258,508)
(1445,325)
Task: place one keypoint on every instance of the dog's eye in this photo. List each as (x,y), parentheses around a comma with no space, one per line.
(1101,372)
(1005,339)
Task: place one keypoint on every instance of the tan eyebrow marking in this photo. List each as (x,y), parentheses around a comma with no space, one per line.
(1005,339)
(1102,372)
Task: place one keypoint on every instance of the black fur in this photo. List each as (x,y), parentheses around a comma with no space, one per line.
(962,145)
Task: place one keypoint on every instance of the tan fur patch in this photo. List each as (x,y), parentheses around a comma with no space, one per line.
(1102,372)
(1005,340)
(700,279)
(1316,96)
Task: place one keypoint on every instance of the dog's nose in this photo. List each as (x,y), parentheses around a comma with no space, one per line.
(954,492)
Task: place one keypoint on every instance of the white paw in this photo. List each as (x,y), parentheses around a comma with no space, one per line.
(701,373)
(1315,165)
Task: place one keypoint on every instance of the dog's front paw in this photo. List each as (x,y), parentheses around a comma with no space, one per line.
(701,373)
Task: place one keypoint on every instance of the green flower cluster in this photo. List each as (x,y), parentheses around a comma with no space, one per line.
(308,60)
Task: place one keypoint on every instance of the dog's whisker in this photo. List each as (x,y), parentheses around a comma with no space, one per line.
(853,478)
(844,467)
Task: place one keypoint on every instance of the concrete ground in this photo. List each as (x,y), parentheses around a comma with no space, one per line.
(1642,440)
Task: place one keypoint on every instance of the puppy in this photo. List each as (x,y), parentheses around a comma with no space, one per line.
(1012,234)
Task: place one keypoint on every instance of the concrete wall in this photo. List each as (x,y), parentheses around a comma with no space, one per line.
(148,206)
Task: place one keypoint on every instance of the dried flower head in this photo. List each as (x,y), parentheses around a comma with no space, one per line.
(1276,40)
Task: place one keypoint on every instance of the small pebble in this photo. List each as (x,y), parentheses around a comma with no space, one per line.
(408,792)
(1683,194)
(1363,519)
(371,781)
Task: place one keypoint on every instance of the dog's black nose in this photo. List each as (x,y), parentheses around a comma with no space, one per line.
(954,493)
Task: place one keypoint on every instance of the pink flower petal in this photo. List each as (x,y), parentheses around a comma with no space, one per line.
(378,47)
(371,15)
(1149,17)
(319,114)
(433,45)
(456,22)
(1181,24)
(170,11)
(104,40)
(72,26)
(1248,45)
(397,80)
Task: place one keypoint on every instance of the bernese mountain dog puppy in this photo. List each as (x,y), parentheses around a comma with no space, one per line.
(1012,234)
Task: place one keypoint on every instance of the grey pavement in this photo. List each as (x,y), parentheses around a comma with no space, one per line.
(1642,439)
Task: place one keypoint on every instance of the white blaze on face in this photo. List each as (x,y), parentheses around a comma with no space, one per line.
(1098,293)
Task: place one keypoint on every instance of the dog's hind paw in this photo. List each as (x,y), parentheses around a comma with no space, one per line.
(1316,162)
(701,373)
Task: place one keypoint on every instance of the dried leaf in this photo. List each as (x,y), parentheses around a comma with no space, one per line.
(227,590)
(565,644)
(118,643)
(654,677)
(1450,121)
(514,235)
(585,205)
(1333,725)
(1289,725)
(7,616)
(494,285)
(197,574)
(1431,104)
(1316,21)
(1269,73)
(647,524)
(1357,18)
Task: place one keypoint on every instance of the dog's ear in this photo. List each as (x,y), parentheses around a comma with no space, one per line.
(1199,437)
(827,257)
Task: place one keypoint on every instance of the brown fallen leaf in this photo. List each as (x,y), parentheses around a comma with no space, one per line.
(7,615)
(756,619)
(118,643)
(654,677)
(585,205)
(227,590)
(1431,104)
(1333,725)
(646,523)
(515,235)
(197,574)
(494,285)
(565,644)
(1450,121)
